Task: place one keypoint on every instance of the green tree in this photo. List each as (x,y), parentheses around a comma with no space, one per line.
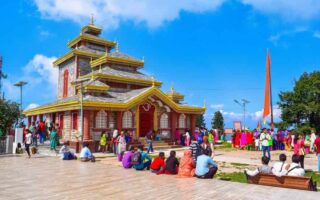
(300,107)
(200,122)
(218,122)
(9,114)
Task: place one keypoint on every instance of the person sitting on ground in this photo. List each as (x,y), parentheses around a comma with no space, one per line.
(66,153)
(279,168)
(294,169)
(158,165)
(186,167)
(19,149)
(206,167)
(85,154)
(127,157)
(138,160)
(265,168)
(172,164)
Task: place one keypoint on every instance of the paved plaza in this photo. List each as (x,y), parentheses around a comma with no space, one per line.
(44,177)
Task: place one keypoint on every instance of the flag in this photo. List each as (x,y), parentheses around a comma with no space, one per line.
(266,108)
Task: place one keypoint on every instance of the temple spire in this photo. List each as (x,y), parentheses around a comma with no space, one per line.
(92,20)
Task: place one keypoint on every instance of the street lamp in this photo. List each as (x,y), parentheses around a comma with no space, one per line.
(20,84)
(243,104)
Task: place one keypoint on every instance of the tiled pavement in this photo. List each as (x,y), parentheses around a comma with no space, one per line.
(50,178)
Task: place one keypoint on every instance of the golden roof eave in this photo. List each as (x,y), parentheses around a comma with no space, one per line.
(92,28)
(121,79)
(73,53)
(123,105)
(97,88)
(92,39)
(116,60)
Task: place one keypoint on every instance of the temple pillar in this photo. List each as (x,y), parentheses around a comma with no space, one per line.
(192,124)
(119,120)
(173,124)
(29,120)
(86,125)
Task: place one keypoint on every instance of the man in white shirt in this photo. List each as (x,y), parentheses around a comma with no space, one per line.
(85,154)
(264,140)
(28,142)
(279,168)
(295,169)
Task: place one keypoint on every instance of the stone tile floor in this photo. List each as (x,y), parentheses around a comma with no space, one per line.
(50,178)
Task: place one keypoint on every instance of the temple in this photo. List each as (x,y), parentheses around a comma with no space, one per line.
(107,85)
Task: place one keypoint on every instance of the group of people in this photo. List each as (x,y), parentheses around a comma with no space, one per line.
(196,163)
(37,133)
(280,168)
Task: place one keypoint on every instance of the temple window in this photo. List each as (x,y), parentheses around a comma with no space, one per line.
(112,120)
(65,83)
(182,121)
(127,120)
(101,119)
(188,121)
(164,121)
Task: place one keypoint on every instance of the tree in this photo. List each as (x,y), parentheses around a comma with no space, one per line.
(301,107)
(218,122)
(200,121)
(9,114)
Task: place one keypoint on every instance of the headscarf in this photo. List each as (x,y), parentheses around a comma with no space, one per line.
(186,159)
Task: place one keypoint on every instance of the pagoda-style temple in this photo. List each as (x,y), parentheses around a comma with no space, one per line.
(113,93)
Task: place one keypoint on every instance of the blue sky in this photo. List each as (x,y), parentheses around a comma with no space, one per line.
(211,50)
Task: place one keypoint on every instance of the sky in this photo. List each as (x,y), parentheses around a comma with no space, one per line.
(213,51)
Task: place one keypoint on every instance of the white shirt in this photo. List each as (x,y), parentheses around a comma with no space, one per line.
(279,169)
(313,137)
(264,138)
(29,138)
(297,171)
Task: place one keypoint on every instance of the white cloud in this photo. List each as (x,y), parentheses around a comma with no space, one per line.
(276,37)
(217,106)
(32,105)
(41,70)
(287,9)
(110,13)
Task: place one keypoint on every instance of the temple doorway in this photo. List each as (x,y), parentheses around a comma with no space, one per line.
(146,113)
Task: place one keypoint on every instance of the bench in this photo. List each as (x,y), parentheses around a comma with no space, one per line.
(293,182)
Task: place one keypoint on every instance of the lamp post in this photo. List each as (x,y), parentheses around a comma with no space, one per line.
(243,104)
(20,84)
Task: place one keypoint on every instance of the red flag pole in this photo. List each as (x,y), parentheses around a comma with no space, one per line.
(271,107)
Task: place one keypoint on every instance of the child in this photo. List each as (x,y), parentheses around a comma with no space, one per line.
(158,164)
(158,137)
(265,169)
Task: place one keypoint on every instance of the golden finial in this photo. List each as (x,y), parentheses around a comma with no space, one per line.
(153,82)
(92,74)
(172,88)
(117,47)
(92,19)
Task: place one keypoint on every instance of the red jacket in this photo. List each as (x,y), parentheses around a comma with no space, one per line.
(157,163)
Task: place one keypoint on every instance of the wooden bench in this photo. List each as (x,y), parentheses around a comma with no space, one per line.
(293,182)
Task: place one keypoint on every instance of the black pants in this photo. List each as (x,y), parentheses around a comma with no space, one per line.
(302,161)
(28,149)
(210,174)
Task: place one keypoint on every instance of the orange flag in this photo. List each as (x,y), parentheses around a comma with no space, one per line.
(266,108)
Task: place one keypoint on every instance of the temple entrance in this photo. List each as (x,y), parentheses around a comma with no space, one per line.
(146,112)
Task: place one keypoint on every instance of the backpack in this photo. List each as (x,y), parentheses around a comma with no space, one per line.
(136,158)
